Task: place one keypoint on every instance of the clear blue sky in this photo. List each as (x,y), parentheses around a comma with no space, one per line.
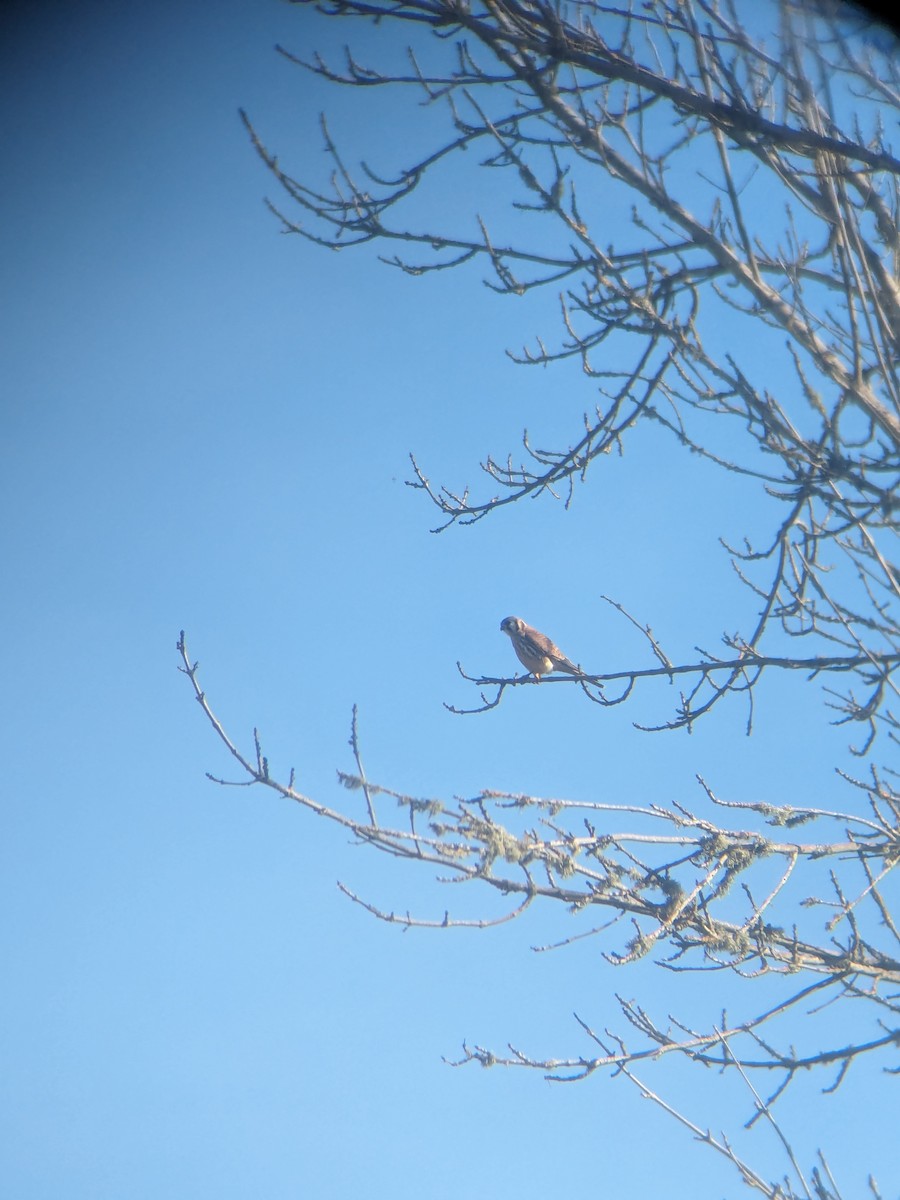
(205,426)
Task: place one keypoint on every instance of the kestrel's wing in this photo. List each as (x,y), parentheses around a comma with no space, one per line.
(564,664)
(537,641)
(543,646)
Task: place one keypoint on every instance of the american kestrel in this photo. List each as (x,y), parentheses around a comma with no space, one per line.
(535,651)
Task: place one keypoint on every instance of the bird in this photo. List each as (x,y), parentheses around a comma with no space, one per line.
(535,651)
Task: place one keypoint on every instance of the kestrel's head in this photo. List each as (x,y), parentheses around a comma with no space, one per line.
(512,625)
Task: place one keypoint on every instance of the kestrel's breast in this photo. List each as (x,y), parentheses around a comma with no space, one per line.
(538,664)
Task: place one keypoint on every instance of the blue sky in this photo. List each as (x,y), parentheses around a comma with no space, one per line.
(205,425)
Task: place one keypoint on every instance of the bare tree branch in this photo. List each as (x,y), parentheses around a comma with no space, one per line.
(716,214)
(703,132)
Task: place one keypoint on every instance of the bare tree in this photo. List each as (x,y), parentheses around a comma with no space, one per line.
(763,196)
